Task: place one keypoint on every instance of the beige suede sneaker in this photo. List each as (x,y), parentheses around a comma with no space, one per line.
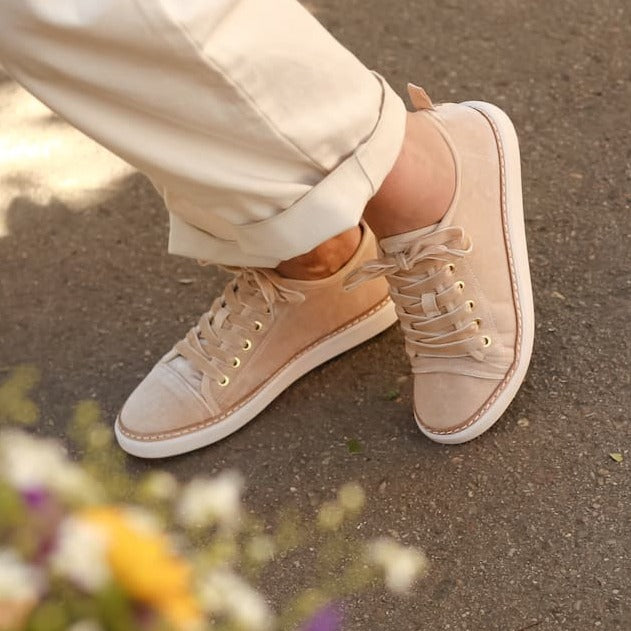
(262,334)
(462,287)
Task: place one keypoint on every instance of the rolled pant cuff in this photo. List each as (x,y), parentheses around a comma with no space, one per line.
(334,205)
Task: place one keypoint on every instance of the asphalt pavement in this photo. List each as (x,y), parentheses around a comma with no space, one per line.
(528,527)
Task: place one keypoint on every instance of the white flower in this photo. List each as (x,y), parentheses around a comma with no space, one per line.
(223,593)
(142,520)
(27,463)
(351,497)
(160,485)
(401,565)
(206,501)
(80,554)
(330,516)
(260,548)
(19,582)
(71,482)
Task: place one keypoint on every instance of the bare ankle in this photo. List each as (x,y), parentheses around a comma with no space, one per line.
(419,189)
(324,260)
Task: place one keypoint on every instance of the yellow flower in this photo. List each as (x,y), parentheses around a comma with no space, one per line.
(143,563)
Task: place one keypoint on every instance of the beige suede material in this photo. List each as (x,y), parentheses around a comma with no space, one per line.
(466,291)
(326,309)
(478,209)
(175,398)
(161,397)
(455,392)
(445,402)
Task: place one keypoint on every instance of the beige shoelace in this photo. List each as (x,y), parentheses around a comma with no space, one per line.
(225,333)
(436,319)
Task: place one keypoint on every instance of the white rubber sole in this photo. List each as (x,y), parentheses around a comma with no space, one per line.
(517,237)
(331,346)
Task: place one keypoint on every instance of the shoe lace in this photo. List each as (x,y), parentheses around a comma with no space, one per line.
(430,302)
(224,333)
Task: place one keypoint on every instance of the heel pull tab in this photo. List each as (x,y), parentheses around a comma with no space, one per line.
(419,98)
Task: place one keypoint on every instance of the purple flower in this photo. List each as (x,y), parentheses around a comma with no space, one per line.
(45,513)
(35,498)
(327,619)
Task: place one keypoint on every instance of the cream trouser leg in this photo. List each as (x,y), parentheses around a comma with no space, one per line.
(262,133)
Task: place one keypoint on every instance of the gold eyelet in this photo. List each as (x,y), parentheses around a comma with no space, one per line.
(470,304)
(236,362)
(224,382)
(247,345)
(478,322)
(487,341)
(451,267)
(460,285)
(258,325)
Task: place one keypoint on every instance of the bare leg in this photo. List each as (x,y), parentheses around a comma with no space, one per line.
(324,260)
(419,189)
(416,193)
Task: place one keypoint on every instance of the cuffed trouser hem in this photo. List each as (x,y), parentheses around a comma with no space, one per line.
(334,205)
(263,134)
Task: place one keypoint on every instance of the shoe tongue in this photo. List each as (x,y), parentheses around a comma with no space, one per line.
(184,367)
(186,370)
(401,242)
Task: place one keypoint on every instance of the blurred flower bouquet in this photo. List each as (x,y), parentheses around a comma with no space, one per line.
(86,547)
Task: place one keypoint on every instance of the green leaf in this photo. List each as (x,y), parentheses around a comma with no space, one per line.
(115,609)
(49,616)
(11,507)
(393,394)
(354,446)
(616,457)
(15,405)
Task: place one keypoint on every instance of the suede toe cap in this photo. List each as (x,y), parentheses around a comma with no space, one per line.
(162,404)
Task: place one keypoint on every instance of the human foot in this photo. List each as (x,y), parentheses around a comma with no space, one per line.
(262,334)
(462,286)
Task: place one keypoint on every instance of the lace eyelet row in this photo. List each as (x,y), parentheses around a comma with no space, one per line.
(236,362)
(486,340)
